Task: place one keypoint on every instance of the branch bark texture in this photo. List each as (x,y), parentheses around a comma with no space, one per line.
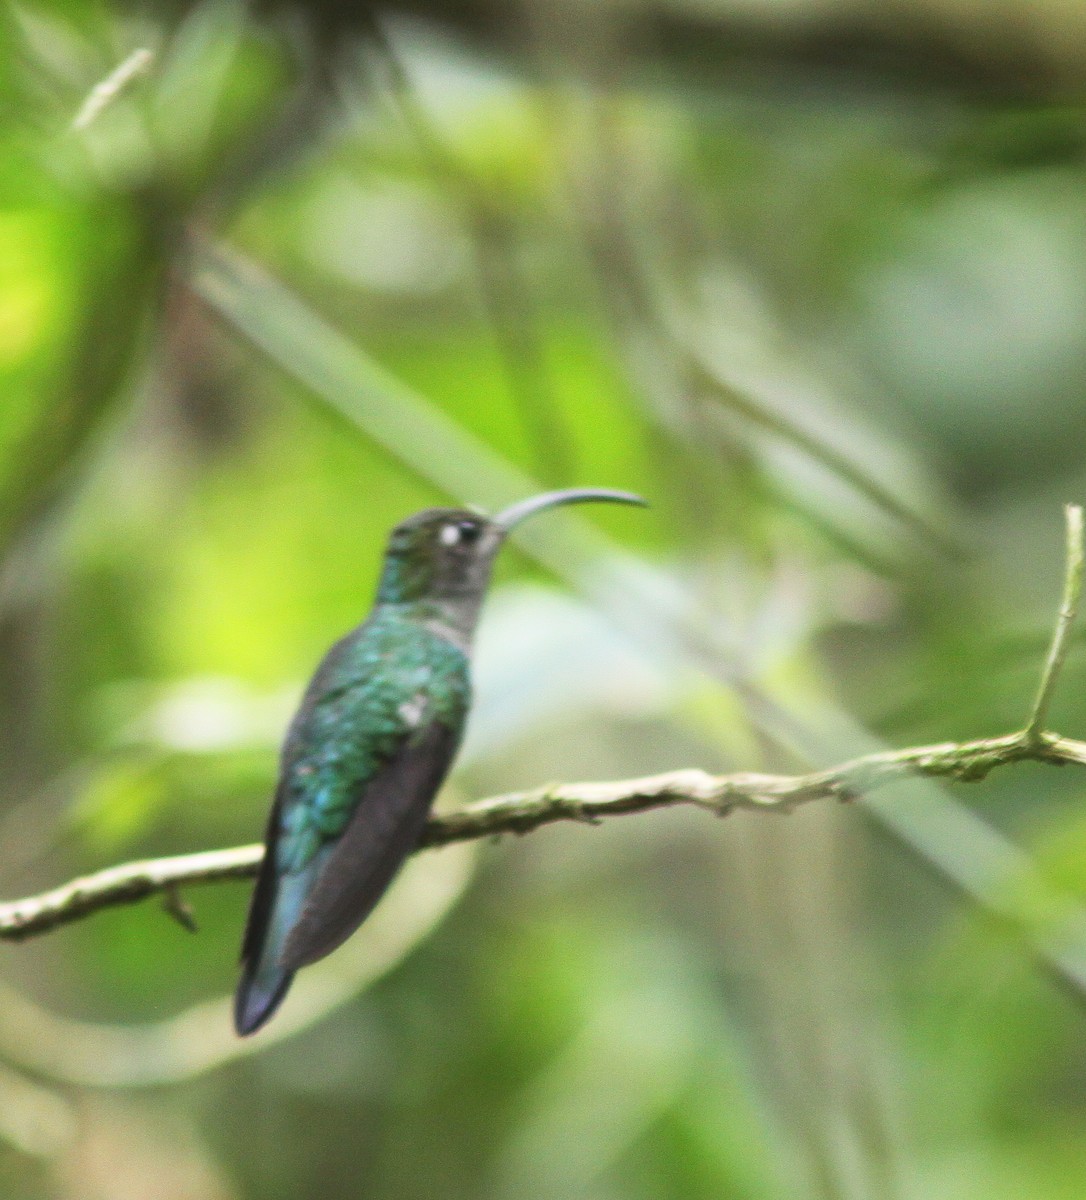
(522,812)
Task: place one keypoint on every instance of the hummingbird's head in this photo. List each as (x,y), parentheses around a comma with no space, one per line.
(445,554)
(439,554)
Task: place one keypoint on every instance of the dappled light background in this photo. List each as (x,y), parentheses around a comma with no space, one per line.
(811,278)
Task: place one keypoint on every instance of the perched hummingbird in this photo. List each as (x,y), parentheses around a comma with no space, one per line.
(374,737)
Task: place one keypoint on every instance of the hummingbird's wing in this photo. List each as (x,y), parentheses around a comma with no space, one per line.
(362,763)
(385,827)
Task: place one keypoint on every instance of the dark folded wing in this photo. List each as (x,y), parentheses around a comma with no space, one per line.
(383,830)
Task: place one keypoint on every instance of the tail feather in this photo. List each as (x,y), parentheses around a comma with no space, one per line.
(264,981)
(259,994)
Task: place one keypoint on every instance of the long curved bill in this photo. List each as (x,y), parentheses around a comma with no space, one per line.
(521,511)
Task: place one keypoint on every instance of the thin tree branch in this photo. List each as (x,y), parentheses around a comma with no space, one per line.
(124,884)
(138,63)
(521,812)
(1057,653)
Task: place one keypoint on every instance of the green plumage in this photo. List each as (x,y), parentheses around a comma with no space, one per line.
(376,690)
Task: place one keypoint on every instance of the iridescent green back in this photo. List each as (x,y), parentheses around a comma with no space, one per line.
(376,690)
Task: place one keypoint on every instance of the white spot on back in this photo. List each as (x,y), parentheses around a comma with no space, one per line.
(450,535)
(411,711)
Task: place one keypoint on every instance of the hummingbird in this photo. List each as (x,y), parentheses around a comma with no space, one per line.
(373,739)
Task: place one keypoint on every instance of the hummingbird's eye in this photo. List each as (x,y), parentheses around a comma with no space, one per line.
(459,533)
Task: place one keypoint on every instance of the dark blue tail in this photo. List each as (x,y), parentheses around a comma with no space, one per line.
(259,994)
(277,904)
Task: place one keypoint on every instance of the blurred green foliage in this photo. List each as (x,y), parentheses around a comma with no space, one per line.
(274,296)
